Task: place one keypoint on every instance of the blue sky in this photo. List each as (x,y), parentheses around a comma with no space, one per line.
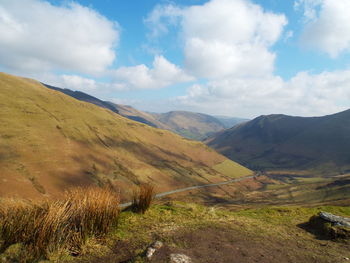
(226,57)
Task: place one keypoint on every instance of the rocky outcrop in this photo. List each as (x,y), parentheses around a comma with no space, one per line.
(330,226)
(335,220)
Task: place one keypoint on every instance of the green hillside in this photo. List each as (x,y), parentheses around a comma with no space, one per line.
(50,142)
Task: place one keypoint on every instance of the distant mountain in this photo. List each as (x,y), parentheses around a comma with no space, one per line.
(139,116)
(286,142)
(50,142)
(229,122)
(191,125)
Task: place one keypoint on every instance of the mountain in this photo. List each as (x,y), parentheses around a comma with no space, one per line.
(286,142)
(191,125)
(85,97)
(229,122)
(50,142)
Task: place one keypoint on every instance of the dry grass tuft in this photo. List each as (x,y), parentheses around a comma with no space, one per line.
(46,226)
(142,198)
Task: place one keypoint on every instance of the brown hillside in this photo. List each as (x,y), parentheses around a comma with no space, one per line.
(50,142)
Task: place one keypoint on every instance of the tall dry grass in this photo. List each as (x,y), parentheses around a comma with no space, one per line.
(47,226)
(142,198)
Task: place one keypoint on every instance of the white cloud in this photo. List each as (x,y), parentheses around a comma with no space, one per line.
(328,26)
(162,74)
(223,37)
(161,17)
(75,82)
(37,36)
(309,8)
(228,42)
(305,94)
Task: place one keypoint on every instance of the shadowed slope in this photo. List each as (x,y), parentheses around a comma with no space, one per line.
(50,142)
(286,142)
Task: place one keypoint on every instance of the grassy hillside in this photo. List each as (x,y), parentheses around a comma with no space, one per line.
(50,142)
(85,97)
(285,142)
(196,126)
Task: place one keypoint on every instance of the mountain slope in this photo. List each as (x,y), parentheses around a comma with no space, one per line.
(140,116)
(191,125)
(286,142)
(50,142)
(85,97)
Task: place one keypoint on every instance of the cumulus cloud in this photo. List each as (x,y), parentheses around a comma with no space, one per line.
(228,43)
(305,94)
(224,37)
(37,36)
(161,17)
(162,74)
(328,25)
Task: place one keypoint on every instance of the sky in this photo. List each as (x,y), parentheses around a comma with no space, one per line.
(240,58)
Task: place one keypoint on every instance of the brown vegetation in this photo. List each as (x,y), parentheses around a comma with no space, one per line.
(46,226)
(142,198)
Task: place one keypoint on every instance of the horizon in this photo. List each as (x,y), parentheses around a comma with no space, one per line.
(245,59)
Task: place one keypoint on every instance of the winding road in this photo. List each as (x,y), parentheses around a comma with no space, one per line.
(195,187)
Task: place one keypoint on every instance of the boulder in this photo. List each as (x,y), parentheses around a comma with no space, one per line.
(330,226)
(335,220)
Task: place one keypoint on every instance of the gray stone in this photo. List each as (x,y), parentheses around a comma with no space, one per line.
(150,252)
(153,248)
(157,244)
(179,258)
(335,220)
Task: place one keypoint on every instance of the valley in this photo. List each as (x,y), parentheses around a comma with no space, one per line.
(54,141)
(174,131)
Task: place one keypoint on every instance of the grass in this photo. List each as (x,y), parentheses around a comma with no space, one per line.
(232,169)
(142,198)
(166,221)
(45,227)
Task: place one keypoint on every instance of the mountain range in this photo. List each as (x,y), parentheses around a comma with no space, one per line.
(277,141)
(50,142)
(191,125)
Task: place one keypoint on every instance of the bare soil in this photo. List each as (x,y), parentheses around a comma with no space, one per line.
(218,244)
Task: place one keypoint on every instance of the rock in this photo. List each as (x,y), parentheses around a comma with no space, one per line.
(150,252)
(153,248)
(157,244)
(330,226)
(335,220)
(179,258)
